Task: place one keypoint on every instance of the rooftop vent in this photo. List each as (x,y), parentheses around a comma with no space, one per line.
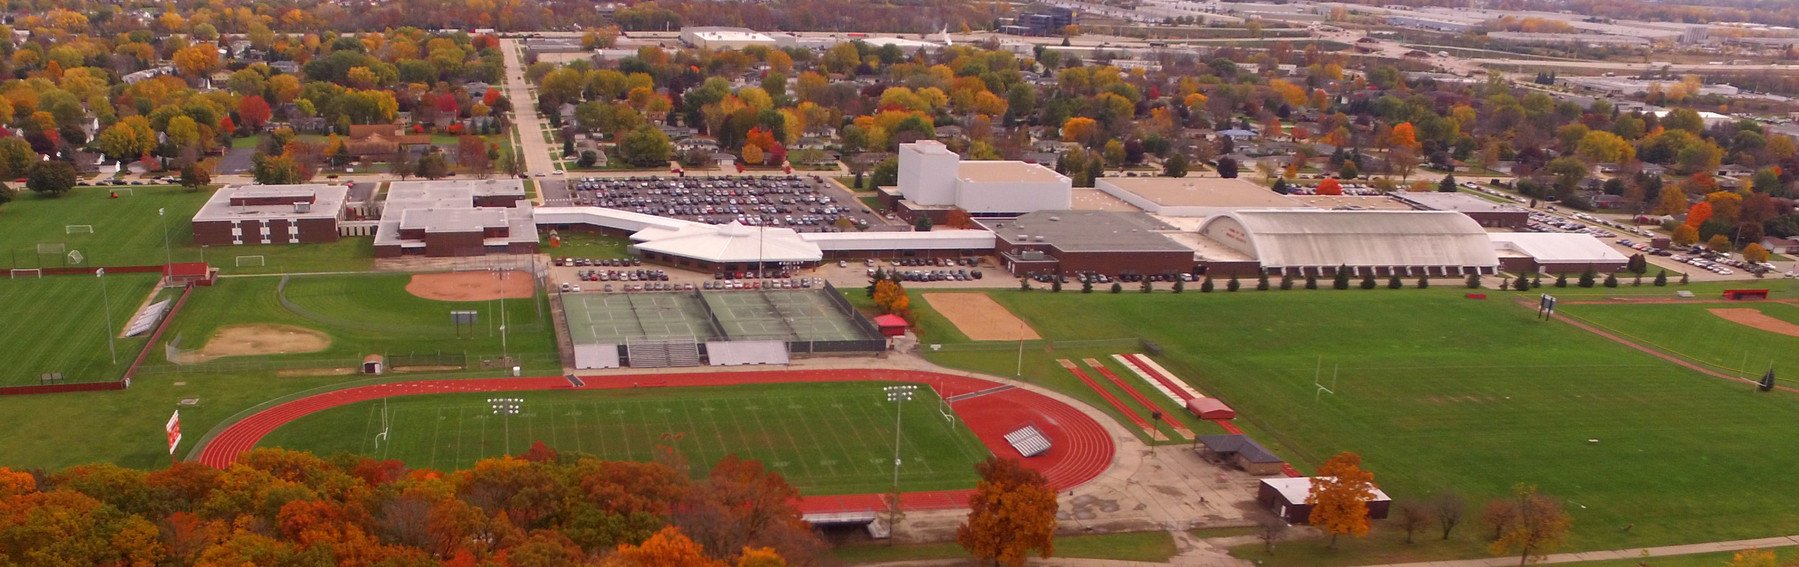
(302,207)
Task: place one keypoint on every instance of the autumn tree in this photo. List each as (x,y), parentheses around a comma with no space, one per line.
(194,175)
(1448,506)
(1535,524)
(1755,253)
(667,547)
(1339,496)
(197,61)
(1011,513)
(1671,202)
(1082,130)
(1413,516)
(1718,243)
(891,298)
(1330,186)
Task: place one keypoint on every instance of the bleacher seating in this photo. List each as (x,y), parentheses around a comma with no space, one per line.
(1028,441)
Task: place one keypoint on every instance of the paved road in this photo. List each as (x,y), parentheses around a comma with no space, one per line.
(525,120)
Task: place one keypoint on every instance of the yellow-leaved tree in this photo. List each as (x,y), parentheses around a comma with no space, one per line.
(890,297)
(1339,497)
(1536,525)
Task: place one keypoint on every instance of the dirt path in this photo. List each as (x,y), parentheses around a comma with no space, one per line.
(471,286)
(257,340)
(1755,318)
(979,317)
(1588,327)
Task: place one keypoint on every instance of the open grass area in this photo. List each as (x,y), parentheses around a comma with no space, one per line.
(364,314)
(60,324)
(1440,392)
(578,244)
(1784,556)
(833,438)
(1693,332)
(1129,546)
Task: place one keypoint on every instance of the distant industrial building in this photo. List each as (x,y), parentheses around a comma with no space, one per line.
(1429,24)
(1487,213)
(1068,242)
(455,218)
(934,181)
(724,38)
(1041,20)
(1596,40)
(270,214)
(1635,87)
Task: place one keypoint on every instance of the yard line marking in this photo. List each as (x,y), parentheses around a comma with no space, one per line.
(816,442)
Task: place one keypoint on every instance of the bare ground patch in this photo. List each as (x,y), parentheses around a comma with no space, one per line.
(257,340)
(1755,318)
(980,317)
(471,286)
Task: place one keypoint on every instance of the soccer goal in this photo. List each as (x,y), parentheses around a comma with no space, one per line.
(78,229)
(75,257)
(17,273)
(256,260)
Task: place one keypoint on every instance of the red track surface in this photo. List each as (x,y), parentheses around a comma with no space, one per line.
(1157,374)
(1110,399)
(1080,448)
(1135,395)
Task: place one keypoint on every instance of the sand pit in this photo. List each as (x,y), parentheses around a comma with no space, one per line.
(979,317)
(1755,318)
(257,340)
(471,286)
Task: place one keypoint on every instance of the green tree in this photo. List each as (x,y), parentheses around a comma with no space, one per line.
(275,170)
(1368,281)
(16,157)
(433,165)
(1611,280)
(1587,278)
(1523,283)
(646,146)
(1341,279)
(885,174)
(1447,185)
(51,178)
(194,176)
(1561,280)
(1175,165)
(1393,282)
(1232,285)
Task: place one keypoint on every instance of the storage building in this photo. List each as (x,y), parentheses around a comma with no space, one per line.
(1286,497)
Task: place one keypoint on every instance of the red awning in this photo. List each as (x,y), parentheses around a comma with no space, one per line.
(888,321)
(1210,408)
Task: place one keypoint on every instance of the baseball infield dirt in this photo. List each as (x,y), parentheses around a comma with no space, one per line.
(979,317)
(257,340)
(471,286)
(1755,318)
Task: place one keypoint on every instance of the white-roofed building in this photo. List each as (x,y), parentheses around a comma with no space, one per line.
(1555,253)
(711,37)
(1304,242)
(734,247)
(730,246)
(934,181)
(455,218)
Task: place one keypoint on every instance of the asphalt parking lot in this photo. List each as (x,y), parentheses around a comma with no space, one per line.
(802,203)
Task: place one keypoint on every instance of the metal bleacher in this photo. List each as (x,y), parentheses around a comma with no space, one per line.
(1028,441)
(662,352)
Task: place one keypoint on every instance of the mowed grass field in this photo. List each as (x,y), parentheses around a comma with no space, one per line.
(1440,392)
(1691,331)
(833,438)
(366,314)
(59,324)
(127,231)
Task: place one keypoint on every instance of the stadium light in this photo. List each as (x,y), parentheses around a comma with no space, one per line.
(506,408)
(898,395)
(168,254)
(106,310)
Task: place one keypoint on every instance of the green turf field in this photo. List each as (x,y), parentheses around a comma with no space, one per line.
(56,324)
(1693,332)
(1436,391)
(824,438)
(365,314)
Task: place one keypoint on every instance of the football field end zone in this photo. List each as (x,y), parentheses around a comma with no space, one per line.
(1082,448)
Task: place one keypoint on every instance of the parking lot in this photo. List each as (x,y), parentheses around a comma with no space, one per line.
(802,203)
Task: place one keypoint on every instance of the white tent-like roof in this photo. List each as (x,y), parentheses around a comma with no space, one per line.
(1557,247)
(1283,238)
(728,243)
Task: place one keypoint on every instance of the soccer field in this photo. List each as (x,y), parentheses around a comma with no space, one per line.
(1438,392)
(55,324)
(831,438)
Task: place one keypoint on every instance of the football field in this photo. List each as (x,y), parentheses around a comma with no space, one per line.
(832,438)
(56,324)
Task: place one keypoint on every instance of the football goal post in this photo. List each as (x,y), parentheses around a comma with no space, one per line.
(78,229)
(256,260)
(16,273)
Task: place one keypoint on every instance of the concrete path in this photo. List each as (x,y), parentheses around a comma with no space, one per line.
(526,123)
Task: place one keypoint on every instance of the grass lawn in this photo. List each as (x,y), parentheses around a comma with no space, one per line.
(57,324)
(125,231)
(833,438)
(1693,332)
(1440,392)
(363,314)
(1784,556)
(1130,546)
(578,244)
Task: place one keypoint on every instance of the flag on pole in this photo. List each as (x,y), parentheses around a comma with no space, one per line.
(174,430)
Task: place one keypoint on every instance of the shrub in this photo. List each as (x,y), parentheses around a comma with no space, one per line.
(1587,277)
(1262,282)
(1368,281)
(1473,281)
(1423,282)
(1311,282)
(1394,283)
(1286,281)
(1117,288)
(1206,286)
(1233,285)
(1611,280)
(1561,280)
(1341,281)
(1180,285)
(1146,287)
(1086,286)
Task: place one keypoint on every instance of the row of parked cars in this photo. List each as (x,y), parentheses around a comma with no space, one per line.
(961,275)
(599,262)
(788,283)
(622,275)
(923,262)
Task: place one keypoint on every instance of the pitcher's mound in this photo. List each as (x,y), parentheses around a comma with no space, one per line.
(979,317)
(471,286)
(257,340)
(1755,318)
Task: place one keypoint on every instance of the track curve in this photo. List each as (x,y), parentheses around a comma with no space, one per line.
(1080,448)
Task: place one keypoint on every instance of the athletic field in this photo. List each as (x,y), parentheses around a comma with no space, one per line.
(1438,392)
(56,324)
(828,438)
(1693,331)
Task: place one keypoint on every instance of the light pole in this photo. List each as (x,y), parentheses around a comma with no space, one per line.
(898,395)
(168,254)
(106,309)
(506,408)
(1019,371)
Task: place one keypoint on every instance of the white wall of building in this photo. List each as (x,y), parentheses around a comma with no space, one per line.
(1014,196)
(927,173)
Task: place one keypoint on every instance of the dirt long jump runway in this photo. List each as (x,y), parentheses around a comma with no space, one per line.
(1755,318)
(980,317)
(1080,447)
(472,286)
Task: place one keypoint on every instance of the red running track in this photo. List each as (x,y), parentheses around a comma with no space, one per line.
(1136,395)
(1110,399)
(1153,373)
(1080,448)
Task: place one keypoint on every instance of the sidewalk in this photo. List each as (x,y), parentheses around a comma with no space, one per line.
(1688,549)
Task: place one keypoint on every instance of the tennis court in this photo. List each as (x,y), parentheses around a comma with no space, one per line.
(783,315)
(613,318)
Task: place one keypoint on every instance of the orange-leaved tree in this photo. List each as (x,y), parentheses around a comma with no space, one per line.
(1330,186)
(1012,511)
(1537,525)
(890,297)
(1339,497)
(667,547)
(1699,213)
